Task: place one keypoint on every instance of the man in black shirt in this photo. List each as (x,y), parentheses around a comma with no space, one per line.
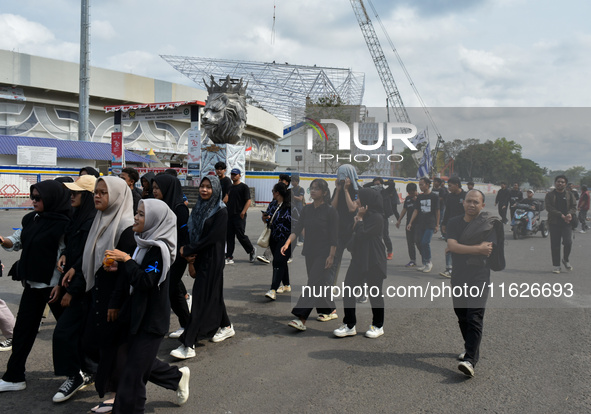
(226,182)
(470,270)
(454,208)
(238,204)
(515,196)
(425,222)
(502,201)
(561,207)
(408,208)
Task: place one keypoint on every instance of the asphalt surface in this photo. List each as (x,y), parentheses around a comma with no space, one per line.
(535,353)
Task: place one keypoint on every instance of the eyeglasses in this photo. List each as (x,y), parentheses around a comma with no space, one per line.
(35,198)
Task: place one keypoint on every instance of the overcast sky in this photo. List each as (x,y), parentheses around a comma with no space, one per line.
(460,53)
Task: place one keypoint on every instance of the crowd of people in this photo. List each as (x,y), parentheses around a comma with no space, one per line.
(108,259)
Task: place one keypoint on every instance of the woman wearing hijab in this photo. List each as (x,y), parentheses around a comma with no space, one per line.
(207,234)
(167,188)
(68,357)
(111,229)
(368,264)
(320,222)
(148,308)
(41,240)
(146,182)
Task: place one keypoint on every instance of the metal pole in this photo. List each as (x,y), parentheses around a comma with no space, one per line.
(84,71)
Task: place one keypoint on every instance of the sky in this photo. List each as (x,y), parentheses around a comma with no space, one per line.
(459,53)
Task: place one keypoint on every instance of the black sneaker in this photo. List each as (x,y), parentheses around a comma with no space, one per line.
(69,388)
(6,345)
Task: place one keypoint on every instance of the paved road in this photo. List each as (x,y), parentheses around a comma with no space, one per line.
(535,355)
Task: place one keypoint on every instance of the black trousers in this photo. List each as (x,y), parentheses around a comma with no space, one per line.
(28,318)
(318,279)
(69,357)
(502,212)
(140,366)
(280,268)
(386,235)
(374,282)
(560,232)
(471,324)
(236,229)
(177,291)
(411,244)
(338,257)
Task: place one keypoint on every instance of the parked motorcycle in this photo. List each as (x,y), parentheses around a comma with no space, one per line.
(521,218)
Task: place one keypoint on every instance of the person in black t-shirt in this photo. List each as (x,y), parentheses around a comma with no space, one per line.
(238,204)
(454,207)
(226,182)
(470,270)
(515,196)
(502,201)
(425,222)
(407,210)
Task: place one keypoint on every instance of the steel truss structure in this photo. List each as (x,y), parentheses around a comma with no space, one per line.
(278,88)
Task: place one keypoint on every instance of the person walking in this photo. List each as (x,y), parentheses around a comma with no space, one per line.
(147,273)
(69,358)
(425,222)
(561,207)
(278,218)
(368,265)
(226,182)
(167,188)
(238,204)
(471,239)
(207,236)
(454,208)
(502,201)
(583,207)
(41,241)
(320,221)
(6,325)
(408,208)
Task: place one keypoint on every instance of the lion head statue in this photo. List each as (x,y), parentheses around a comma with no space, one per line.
(224,115)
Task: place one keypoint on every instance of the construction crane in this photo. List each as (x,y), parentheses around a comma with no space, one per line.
(393,98)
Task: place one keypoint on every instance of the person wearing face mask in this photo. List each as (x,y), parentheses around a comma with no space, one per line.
(167,188)
(41,241)
(147,272)
(69,358)
(206,249)
(111,229)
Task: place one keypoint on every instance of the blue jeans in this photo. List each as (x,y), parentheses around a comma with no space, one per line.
(423,237)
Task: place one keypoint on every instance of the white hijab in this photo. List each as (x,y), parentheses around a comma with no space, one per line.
(107,227)
(159,231)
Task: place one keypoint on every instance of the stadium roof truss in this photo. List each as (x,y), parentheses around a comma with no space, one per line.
(277,88)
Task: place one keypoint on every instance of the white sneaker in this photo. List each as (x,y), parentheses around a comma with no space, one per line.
(223,334)
(461,356)
(556,270)
(582,231)
(263,259)
(374,332)
(467,368)
(229,261)
(12,386)
(270,294)
(300,243)
(289,260)
(344,331)
(182,393)
(176,334)
(567,265)
(280,289)
(287,288)
(420,268)
(183,352)
(428,267)
(446,273)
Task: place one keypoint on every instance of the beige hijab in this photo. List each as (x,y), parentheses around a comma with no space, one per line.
(107,227)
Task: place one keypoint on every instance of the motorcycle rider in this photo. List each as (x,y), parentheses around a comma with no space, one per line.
(533,204)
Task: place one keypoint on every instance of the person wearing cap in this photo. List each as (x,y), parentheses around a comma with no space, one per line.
(69,359)
(238,204)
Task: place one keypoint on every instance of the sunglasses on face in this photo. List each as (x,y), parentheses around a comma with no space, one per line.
(36,198)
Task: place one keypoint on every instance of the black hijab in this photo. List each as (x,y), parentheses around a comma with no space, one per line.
(149,176)
(371,198)
(42,232)
(204,209)
(170,187)
(86,211)
(90,171)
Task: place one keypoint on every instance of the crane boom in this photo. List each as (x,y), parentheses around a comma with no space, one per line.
(375,49)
